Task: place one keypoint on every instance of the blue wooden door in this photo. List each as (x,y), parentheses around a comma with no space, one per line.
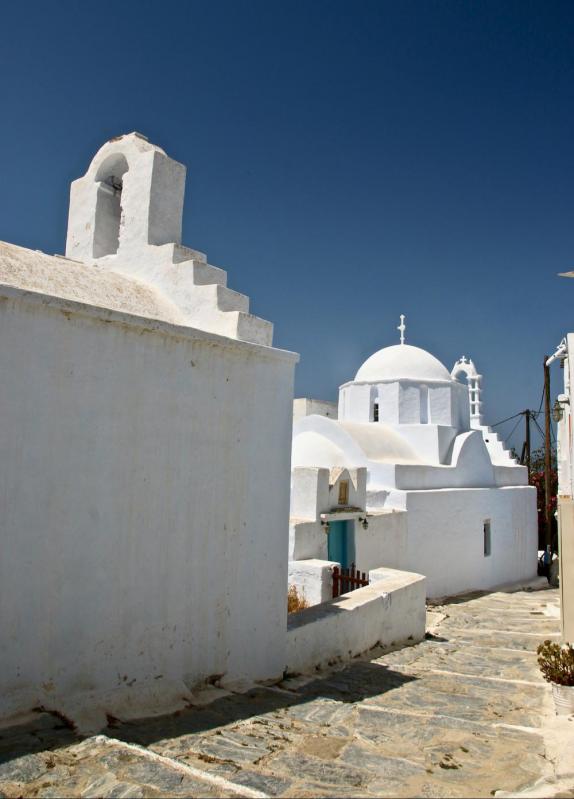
(341,544)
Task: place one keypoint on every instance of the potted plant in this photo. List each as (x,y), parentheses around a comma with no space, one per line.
(556,663)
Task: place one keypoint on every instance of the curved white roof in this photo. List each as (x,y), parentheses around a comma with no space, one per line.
(314,449)
(322,442)
(381,443)
(402,361)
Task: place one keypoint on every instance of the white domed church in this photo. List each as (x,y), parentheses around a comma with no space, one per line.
(409,477)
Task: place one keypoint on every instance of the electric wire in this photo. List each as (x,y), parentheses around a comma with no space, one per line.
(508,419)
(513,429)
(541,401)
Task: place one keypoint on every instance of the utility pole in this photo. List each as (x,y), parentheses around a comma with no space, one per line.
(547,459)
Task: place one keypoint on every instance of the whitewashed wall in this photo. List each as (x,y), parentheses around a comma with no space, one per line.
(406,402)
(445,538)
(383,542)
(304,406)
(391,610)
(143,524)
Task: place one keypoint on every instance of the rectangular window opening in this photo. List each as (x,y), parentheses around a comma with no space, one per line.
(376,412)
(487,539)
(344,492)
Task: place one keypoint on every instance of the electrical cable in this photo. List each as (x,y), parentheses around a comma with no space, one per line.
(507,438)
(507,420)
(541,401)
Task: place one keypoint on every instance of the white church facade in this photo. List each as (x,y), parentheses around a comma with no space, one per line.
(409,477)
(143,526)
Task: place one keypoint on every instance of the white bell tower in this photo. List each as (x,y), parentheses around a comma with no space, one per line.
(130,198)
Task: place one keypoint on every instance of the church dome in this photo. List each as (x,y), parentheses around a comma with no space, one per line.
(402,361)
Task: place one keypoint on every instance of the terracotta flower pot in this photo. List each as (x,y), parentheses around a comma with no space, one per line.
(563,696)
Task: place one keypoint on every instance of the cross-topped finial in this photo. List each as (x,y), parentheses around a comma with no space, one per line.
(401,328)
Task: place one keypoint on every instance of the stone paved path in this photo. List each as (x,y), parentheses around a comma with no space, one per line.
(461,714)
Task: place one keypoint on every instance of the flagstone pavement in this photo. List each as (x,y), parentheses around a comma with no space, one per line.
(464,713)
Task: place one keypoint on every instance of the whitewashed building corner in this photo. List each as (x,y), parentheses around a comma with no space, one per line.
(144,526)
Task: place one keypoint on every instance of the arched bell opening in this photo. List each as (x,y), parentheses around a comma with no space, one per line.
(461,377)
(109,178)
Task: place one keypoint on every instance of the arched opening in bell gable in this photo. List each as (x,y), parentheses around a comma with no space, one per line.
(110,180)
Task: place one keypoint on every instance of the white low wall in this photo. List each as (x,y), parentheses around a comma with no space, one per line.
(391,610)
(313,579)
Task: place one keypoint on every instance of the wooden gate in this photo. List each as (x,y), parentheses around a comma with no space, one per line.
(346,580)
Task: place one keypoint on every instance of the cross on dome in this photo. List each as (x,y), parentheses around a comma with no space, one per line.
(401,328)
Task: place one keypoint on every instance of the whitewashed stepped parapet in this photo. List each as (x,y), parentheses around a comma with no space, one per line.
(125,216)
(498,452)
(496,447)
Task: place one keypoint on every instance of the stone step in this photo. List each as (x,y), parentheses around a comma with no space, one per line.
(226,299)
(214,306)
(254,329)
(181,253)
(204,274)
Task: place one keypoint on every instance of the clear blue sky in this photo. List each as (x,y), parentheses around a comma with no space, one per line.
(347,161)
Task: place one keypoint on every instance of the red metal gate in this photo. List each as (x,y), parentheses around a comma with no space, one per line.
(345,580)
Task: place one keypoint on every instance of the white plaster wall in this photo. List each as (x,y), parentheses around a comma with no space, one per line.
(384,542)
(389,403)
(313,579)
(303,406)
(389,611)
(445,537)
(409,403)
(143,526)
(307,540)
(309,492)
(355,402)
(470,466)
(440,401)
(431,442)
